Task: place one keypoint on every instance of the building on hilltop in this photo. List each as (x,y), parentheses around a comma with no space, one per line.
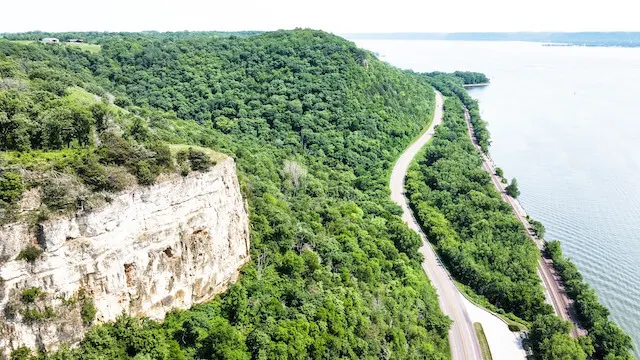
(78,41)
(50,40)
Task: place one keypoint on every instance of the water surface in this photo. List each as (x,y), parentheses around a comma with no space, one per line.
(564,122)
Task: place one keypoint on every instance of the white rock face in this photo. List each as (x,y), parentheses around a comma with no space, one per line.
(152,249)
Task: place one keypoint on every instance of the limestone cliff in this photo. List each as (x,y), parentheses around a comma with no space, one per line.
(149,250)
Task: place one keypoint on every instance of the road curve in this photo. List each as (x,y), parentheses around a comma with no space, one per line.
(462,337)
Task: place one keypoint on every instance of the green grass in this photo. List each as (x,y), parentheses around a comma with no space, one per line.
(482,339)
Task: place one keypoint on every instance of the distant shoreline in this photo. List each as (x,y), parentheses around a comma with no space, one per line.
(476,85)
(604,39)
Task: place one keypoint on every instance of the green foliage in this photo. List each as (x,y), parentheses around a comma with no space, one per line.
(30,314)
(30,253)
(474,231)
(453,86)
(606,338)
(500,172)
(11,187)
(512,189)
(550,340)
(88,311)
(21,353)
(199,160)
(336,273)
(30,295)
(469,77)
(538,227)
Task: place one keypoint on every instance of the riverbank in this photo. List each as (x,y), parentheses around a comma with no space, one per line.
(469,86)
(554,288)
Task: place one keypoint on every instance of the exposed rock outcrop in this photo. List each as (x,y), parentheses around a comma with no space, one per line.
(150,250)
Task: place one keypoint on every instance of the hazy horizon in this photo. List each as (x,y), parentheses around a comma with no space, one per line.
(332,15)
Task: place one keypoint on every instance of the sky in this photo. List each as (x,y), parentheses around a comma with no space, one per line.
(337,16)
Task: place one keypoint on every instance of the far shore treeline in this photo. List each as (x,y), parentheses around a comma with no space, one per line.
(315,125)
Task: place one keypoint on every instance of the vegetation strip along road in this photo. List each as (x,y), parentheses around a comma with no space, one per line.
(552,284)
(463,342)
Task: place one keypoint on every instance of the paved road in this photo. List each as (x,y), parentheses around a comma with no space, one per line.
(554,288)
(462,337)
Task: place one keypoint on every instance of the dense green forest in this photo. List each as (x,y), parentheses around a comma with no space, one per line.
(336,273)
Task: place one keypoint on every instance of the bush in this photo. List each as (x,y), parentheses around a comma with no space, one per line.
(118,178)
(514,328)
(21,353)
(60,193)
(115,150)
(200,161)
(145,173)
(184,169)
(30,253)
(182,156)
(31,294)
(92,173)
(88,311)
(11,187)
(512,189)
(162,155)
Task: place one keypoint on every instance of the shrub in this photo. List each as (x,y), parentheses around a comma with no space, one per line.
(145,173)
(182,156)
(200,161)
(31,294)
(88,311)
(31,314)
(92,173)
(61,192)
(162,154)
(514,328)
(115,150)
(30,253)
(184,169)
(118,178)
(11,187)
(21,353)
(512,189)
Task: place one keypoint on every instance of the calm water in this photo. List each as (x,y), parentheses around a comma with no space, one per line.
(565,122)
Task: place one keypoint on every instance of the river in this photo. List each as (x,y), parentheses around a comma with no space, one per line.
(564,122)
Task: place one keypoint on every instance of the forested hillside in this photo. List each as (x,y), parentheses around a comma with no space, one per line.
(314,124)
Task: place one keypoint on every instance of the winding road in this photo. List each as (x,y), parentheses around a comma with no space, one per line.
(504,344)
(462,337)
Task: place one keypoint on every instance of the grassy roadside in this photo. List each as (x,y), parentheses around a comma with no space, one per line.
(482,340)
(514,322)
